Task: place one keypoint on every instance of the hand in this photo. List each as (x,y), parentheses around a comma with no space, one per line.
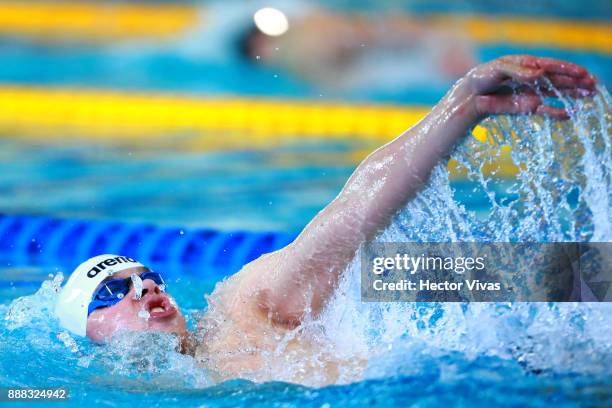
(511,84)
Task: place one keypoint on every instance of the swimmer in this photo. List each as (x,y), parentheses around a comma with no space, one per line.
(344,51)
(334,51)
(254,327)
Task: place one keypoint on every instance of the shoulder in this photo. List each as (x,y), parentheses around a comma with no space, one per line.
(233,327)
(238,297)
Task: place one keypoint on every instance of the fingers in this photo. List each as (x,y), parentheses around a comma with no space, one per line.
(547,75)
(516,104)
(557,113)
(547,90)
(555,66)
(549,65)
(528,75)
(565,81)
(498,104)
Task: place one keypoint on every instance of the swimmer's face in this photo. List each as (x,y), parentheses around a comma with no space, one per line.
(154,311)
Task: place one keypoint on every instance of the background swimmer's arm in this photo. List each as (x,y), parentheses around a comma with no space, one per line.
(300,278)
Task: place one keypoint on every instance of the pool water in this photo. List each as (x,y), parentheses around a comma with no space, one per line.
(166,71)
(419,354)
(422,354)
(147,370)
(282,188)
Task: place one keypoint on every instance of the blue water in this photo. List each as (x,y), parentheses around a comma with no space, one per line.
(193,64)
(162,69)
(281,189)
(419,354)
(590,9)
(148,371)
(517,354)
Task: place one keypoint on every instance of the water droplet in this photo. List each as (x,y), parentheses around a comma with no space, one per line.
(68,341)
(137,284)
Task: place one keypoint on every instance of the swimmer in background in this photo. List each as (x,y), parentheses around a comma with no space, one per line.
(333,51)
(356,51)
(256,324)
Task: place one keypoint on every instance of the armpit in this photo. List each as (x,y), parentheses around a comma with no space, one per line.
(285,313)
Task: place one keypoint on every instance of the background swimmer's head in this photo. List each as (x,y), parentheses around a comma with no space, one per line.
(263,29)
(101,299)
(251,43)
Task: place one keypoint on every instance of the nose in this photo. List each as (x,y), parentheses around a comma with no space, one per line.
(149,286)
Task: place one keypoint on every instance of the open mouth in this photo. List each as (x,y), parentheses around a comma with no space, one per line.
(159,307)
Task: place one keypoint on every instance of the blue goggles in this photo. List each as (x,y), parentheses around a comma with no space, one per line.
(112,291)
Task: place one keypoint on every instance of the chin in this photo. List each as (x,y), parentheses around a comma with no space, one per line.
(171,324)
(168,328)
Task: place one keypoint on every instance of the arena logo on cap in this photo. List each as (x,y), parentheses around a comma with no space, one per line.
(93,272)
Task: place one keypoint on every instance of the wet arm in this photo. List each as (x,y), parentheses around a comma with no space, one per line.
(302,276)
(299,279)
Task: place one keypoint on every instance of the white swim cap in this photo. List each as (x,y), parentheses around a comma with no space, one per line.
(75,296)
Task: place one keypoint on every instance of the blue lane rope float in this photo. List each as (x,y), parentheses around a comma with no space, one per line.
(40,240)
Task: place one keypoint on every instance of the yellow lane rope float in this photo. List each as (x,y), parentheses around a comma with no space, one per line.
(94,21)
(195,123)
(38,112)
(48,21)
(563,34)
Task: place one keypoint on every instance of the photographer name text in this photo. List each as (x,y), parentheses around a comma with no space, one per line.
(415,264)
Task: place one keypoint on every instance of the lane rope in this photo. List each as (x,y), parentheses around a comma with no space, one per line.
(102,22)
(50,241)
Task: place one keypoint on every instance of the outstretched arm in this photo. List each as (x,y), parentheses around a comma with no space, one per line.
(300,278)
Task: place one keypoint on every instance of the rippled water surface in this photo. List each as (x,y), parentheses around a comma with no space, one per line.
(424,354)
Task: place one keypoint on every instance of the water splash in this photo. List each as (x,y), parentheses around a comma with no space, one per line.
(137,284)
(152,357)
(561,192)
(68,341)
(143,314)
(147,362)
(34,309)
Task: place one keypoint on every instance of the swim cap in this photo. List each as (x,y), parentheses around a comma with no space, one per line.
(75,296)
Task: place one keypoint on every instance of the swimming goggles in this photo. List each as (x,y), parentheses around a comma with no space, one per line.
(112,291)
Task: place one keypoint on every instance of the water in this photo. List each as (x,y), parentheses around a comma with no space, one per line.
(521,354)
(591,9)
(561,193)
(282,188)
(205,63)
(137,284)
(424,355)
